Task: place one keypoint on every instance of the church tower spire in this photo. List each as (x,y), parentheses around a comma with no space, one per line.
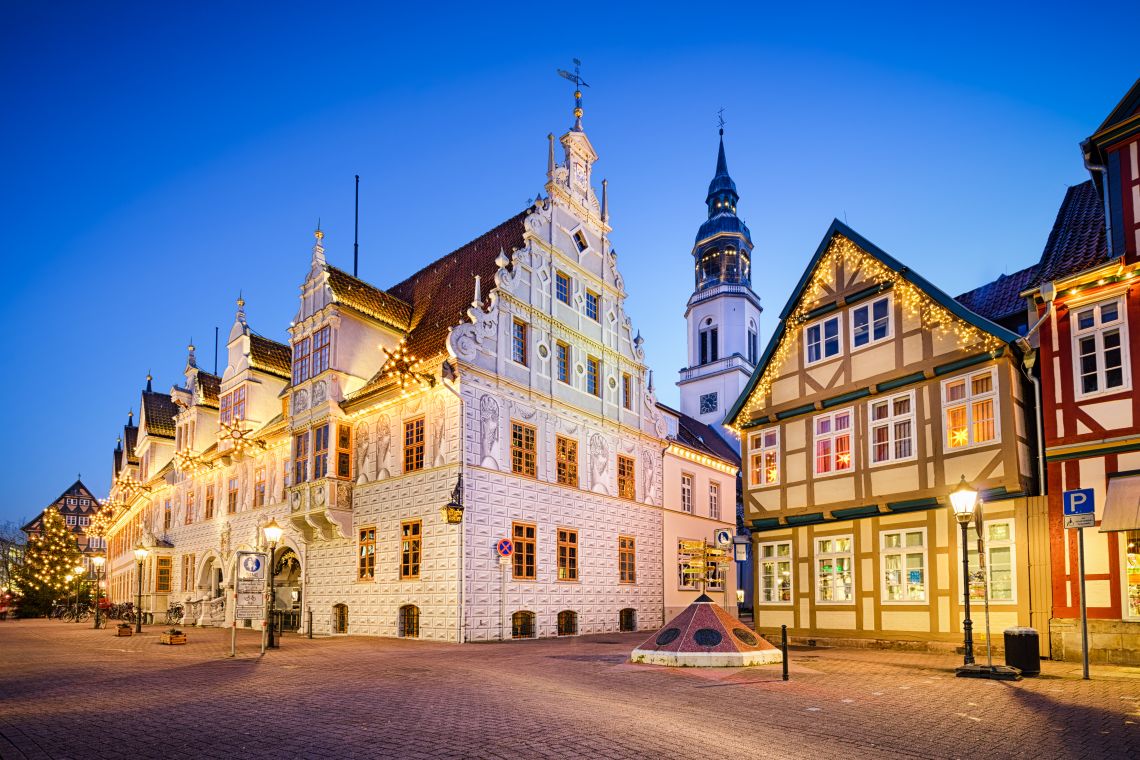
(723,313)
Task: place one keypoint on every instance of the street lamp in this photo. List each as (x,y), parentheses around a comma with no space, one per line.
(78,584)
(140,556)
(273,533)
(67,584)
(452,513)
(964,500)
(98,561)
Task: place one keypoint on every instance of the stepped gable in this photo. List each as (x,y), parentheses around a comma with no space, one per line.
(705,635)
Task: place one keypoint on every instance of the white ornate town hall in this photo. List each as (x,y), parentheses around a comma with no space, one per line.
(504,377)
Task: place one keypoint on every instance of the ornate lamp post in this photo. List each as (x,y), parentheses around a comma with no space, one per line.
(273,533)
(98,561)
(141,553)
(964,500)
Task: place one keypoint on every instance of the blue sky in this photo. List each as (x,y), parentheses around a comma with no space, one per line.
(157,159)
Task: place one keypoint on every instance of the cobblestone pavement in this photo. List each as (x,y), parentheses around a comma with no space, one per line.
(67,691)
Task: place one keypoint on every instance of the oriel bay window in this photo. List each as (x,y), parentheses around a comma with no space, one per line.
(301,457)
(764,469)
(775,560)
(232,406)
(320,451)
(366,554)
(1000,571)
(903,554)
(344,451)
(833,442)
(834,569)
(566,460)
(626,485)
(1099,348)
(969,404)
(410,537)
(301,350)
(627,559)
(414,444)
(891,422)
(524,540)
(567,554)
(523,450)
(321,341)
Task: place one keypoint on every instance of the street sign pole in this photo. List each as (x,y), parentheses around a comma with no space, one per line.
(1084,610)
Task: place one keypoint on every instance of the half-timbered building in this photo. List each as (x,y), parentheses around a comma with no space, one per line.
(875,396)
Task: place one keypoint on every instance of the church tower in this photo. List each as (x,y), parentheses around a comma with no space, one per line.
(723,314)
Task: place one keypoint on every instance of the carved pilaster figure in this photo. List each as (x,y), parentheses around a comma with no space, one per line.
(383,445)
(599,462)
(488,431)
(365,455)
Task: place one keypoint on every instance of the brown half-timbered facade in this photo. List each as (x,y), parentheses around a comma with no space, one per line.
(876,395)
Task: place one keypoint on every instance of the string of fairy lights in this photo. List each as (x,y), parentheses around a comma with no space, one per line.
(400,369)
(915,302)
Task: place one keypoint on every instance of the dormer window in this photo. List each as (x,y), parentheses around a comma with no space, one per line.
(822,339)
(320,350)
(233,406)
(580,241)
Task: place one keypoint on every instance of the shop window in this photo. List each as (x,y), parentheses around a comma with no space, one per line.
(522,625)
(1132,574)
(775,560)
(627,619)
(688,571)
(765,458)
(409,622)
(903,557)
(567,623)
(834,569)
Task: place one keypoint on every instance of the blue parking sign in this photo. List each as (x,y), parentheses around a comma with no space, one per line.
(1079,502)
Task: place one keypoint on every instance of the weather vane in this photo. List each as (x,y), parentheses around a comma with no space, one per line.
(720,119)
(579,83)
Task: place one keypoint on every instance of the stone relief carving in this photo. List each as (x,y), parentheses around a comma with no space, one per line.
(296,501)
(464,340)
(599,461)
(488,431)
(520,410)
(273,479)
(365,454)
(300,401)
(650,460)
(383,445)
(318,495)
(534,223)
(224,539)
(320,392)
(438,425)
(619,283)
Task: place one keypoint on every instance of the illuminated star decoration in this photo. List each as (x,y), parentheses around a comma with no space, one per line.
(129,485)
(240,436)
(916,304)
(190,463)
(399,368)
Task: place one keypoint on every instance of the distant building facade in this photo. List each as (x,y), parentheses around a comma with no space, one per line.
(78,506)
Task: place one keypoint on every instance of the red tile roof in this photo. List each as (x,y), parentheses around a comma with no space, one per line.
(1077,241)
(698,436)
(367,299)
(158,414)
(1001,298)
(209,386)
(269,355)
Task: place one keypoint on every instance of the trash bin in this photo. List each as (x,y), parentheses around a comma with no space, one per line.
(1022,650)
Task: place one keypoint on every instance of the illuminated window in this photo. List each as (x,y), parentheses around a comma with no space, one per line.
(969,404)
(822,339)
(891,422)
(518,342)
(1000,571)
(301,360)
(562,287)
(409,621)
(593,370)
(259,487)
(689,571)
(209,502)
(686,493)
(522,625)
(344,451)
(414,444)
(232,497)
(775,560)
(626,390)
(567,623)
(566,460)
(833,443)
(1100,341)
(523,535)
(163,574)
(232,405)
(320,451)
(567,554)
(625,477)
(410,545)
(871,322)
(903,555)
(592,305)
(188,562)
(320,350)
(167,516)
(764,467)
(366,554)
(834,569)
(714,501)
(523,449)
(627,559)
(300,457)
(562,361)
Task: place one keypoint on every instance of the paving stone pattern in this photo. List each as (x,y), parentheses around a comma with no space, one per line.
(67,691)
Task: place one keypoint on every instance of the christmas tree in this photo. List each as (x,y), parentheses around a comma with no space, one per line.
(49,558)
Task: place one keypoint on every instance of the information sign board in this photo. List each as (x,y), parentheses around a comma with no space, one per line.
(251,575)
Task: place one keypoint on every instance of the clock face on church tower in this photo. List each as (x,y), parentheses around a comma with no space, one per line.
(708,403)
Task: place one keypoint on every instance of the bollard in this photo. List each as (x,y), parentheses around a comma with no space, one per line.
(310,623)
(784,648)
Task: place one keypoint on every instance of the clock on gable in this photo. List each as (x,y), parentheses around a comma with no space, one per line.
(708,403)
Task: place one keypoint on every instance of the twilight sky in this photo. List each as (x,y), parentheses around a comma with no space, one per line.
(157,159)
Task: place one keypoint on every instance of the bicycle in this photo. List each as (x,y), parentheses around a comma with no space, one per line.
(174,614)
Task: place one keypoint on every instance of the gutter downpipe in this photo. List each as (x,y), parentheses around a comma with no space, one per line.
(1049,294)
(1102,170)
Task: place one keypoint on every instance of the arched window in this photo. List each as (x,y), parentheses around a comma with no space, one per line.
(410,621)
(627,619)
(522,625)
(753,342)
(340,618)
(567,623)
(709,342)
